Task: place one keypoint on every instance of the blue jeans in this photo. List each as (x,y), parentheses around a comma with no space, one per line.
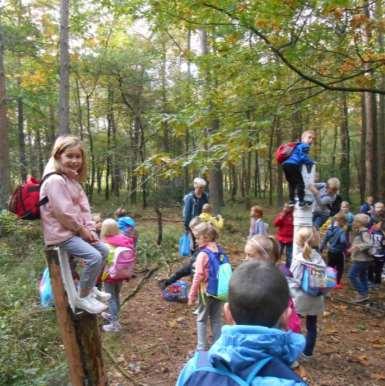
(319,219)
(93,256)
(311,334)
(358,276)
(288,251)
(114,302)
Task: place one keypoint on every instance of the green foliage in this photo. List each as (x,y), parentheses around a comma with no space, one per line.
(28,334)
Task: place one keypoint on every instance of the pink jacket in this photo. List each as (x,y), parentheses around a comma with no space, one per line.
(120,240)
(67,209)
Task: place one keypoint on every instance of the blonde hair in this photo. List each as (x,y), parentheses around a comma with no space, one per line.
(307,239)
(109,228)
(361,219)
(61,144)
(199,182)
(334,184)
(207,208)
(207,230)
(340,217)
(263,248)
(194,222)
(306,132)
(257,210)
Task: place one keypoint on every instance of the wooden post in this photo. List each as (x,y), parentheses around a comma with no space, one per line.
(79,332)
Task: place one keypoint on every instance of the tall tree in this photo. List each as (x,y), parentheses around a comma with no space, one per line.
(4,145)
(64,89)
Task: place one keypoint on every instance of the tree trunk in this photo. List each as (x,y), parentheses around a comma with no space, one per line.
(80,111)
(4,145)
(270,159)
(92,154)
(20,128)
(279,171)
(64,89)
(381,116)
(345,148)
(362,169)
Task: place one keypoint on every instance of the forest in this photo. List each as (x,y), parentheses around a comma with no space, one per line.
(160,92)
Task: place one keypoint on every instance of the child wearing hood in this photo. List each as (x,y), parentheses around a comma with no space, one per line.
(252,349)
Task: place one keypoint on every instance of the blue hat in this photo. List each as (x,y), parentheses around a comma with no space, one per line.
(125,222)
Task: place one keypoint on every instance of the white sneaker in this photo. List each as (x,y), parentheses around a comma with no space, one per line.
(90,304)
(101,295)
(112,327)
(106,316)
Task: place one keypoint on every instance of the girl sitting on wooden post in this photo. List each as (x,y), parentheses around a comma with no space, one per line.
(67,220)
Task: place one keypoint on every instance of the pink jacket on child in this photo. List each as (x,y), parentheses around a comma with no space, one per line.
(67,209)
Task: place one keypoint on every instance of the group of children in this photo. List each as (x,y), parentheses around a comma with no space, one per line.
(260,304)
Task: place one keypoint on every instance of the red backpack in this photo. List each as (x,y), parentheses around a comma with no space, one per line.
(284,151)
(25,202)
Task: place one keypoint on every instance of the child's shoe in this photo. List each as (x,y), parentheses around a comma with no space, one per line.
(90,304)
(291,203)
(106,316)
(112,327)
(101,295)
(308,203)
(162,284)
(360,298)
(302,203)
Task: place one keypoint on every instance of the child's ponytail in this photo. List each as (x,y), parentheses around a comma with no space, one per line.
(307,238)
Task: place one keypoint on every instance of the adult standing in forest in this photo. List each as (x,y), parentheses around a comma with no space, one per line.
(193,202)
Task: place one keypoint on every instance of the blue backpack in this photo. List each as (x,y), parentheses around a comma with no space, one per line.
(220,272)
(201,372)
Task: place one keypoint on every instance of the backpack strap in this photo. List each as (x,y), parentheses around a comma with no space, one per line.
(45,200)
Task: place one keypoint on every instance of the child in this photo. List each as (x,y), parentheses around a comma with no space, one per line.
(361,259)
(345,209)
(251,349)
(284,224)
(97,218)
(111,234)
(293,165)
(378,238)
(257,226)
(324,194)
(306,305)
(209,307)
(376,214)
(368,206)
(126,224)
(207,215)
(265,248)
(336,241)
(67,221)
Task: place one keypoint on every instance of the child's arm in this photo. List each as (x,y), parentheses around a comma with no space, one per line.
(304,149)
(199,276)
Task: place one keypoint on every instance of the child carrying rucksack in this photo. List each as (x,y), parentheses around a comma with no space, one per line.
(212,292)
(119,267)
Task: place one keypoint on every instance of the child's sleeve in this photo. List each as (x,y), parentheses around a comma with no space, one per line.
(304,154)
(366,242)
(61,204)
(278,221)
(199,275)
(89,223)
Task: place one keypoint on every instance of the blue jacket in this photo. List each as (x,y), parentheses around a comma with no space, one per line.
(336,239)
(192,206)
(243,350)
(300,155)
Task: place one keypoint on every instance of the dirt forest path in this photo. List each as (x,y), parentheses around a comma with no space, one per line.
(157,337)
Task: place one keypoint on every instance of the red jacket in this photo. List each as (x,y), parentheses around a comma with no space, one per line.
(285,228)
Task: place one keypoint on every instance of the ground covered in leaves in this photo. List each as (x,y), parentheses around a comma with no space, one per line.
(157,337)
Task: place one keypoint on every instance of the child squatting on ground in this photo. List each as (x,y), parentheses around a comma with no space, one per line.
(306,305)
(254,348)
(209,308)
(292,167)
(111,235)
(67,221)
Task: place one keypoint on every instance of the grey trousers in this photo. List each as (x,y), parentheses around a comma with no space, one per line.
(93,256)
(211,309)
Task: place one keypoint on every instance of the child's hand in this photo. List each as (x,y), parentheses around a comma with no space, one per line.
(86,235)
(95,237)
(352,249)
